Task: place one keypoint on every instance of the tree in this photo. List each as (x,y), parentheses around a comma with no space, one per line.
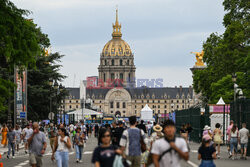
(226,54)
(39,90)
(18,46)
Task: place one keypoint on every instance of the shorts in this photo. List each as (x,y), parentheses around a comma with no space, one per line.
(243,145)
(18,141)
(36,160)
(52,141)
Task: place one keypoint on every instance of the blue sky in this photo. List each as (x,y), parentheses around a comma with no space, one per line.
(161,33)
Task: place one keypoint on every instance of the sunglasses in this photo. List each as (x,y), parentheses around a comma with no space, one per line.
(105,136)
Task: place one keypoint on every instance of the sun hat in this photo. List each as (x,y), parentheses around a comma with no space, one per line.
(206,127)
(157,128)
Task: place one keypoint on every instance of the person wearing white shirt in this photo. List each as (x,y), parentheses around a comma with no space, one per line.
(169,150)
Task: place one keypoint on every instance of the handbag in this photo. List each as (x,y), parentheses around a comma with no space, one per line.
(143,144)
(119,161)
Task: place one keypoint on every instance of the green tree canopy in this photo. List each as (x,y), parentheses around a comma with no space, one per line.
(225,55)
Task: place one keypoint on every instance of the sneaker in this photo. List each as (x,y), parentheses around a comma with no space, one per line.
(218,156)
(26,152)
(8,156)
(77,160)
(233,158)
(13,157)
(230,156)
(80,161)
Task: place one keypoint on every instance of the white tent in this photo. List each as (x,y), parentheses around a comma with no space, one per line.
(147,113)
(221,101)
(84,114)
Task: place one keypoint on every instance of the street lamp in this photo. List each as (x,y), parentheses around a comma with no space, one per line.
(50,99)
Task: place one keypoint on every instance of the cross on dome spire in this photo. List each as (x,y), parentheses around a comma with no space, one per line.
(116,27)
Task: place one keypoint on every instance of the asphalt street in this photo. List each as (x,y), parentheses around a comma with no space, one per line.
(22,159)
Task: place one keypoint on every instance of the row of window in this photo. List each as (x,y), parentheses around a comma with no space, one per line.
(71,106)
(153,101)
(117,111)
(117,104)
(112,63)
(112,76)
(165,106)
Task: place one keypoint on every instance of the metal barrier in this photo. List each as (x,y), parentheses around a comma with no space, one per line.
(197,120)
(240,113)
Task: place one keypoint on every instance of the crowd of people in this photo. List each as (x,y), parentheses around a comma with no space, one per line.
(134,144)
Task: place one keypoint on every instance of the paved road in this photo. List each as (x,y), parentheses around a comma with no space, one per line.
(21,159)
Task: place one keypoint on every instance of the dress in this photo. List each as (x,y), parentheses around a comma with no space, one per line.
(217,137)
(4,136)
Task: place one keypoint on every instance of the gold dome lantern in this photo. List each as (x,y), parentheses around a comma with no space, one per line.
(116,46)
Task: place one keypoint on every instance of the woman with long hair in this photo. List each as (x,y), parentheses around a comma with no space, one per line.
(234,133)
(217,138)
(104,154)
(206,152)
(61,148)
(4,131)
(79,143)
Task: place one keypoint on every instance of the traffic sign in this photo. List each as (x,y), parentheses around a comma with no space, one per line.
(22,114)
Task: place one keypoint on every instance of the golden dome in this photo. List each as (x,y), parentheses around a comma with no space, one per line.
(116,46)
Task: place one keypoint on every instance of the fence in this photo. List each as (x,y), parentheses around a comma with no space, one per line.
(196,118)
(240,113)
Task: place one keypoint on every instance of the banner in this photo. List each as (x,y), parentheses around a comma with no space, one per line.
(21,94)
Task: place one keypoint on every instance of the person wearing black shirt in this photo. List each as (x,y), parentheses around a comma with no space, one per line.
(119,131)
(206,152)
(142,126)
(104,155)
(96,130)
(113,134)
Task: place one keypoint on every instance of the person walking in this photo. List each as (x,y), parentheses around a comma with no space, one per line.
(169,150)
(184,132)
(130,142)
(61,148)
(37,146)
(104,154)
(206,152)
(96,130)
(243,138)
(79,143)
(217,139)
(11,142)
(228,139)
(142,126)
(27,132)
(234,141)
(4,131)
(52,135)
(18,133)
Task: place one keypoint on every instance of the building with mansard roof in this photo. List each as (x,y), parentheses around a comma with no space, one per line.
(125,99)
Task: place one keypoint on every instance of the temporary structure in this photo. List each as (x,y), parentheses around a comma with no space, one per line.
(147,113)
(84,114)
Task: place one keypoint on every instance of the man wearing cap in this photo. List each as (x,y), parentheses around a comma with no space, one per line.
(168,151)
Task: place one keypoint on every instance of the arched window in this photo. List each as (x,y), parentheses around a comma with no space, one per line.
(112,62)
(121,62)
(121,76)
(111,104)
(117,105)
(123,105)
